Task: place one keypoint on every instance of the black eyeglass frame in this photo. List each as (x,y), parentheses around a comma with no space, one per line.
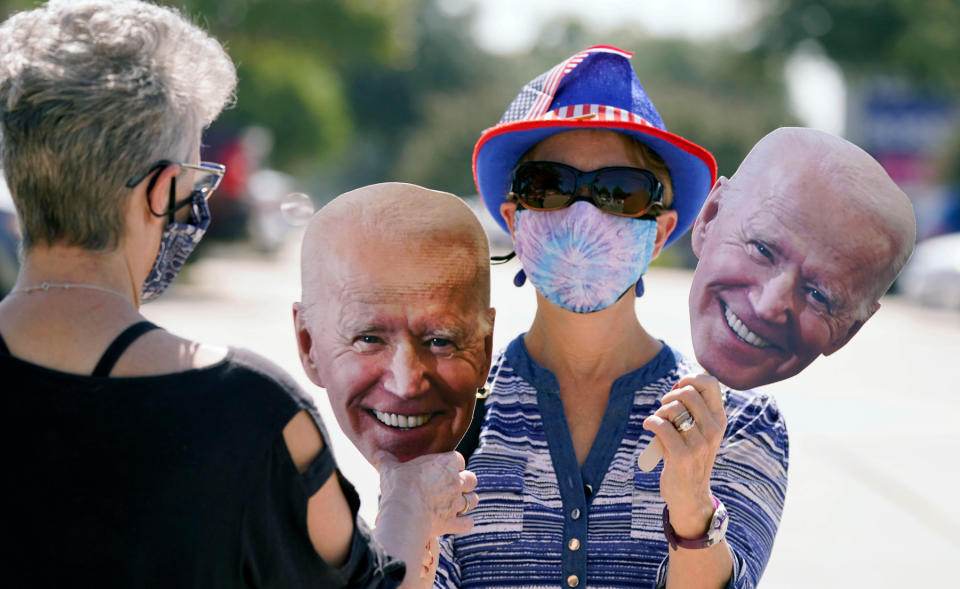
(581,178)
(209,167)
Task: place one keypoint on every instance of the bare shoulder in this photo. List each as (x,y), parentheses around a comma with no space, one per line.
(160,352)
(207,355)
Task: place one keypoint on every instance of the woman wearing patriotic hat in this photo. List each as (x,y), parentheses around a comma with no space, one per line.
(583,174)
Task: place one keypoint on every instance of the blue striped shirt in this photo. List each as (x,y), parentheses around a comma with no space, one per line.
(543,521)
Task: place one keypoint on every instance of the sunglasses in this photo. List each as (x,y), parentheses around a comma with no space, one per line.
(621,191)
(208,177)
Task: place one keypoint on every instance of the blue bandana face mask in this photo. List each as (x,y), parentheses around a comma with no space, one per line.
(179,239)
(581,258)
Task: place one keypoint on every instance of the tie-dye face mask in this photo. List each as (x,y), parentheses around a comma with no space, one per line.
(580,258)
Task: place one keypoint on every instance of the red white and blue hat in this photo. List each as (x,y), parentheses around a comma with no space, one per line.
(594,89)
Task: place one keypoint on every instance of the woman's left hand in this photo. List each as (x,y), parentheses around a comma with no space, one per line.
(688,456)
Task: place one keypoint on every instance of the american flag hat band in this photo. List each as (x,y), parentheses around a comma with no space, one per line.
(597,112)
(595,88)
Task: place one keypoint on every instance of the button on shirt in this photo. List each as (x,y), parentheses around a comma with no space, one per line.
(544,521)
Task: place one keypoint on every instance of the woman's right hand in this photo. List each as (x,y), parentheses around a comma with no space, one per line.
(689,455)
(419,500)
(434,488)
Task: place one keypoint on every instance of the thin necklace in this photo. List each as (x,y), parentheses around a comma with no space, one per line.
(45,286)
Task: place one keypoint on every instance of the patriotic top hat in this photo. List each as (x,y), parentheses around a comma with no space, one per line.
(594,89)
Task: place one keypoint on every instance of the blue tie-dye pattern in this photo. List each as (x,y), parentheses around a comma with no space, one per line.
(581,258)
(177,242)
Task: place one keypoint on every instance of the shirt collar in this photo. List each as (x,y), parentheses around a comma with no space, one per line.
(543,380)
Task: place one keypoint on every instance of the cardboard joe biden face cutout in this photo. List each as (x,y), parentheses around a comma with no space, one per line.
(395,321)
(794,252)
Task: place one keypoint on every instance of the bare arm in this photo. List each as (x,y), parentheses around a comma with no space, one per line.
(420,500)
(329,520)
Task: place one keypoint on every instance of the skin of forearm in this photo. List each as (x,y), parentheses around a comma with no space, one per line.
(404,536)
(703,568)
(330,523)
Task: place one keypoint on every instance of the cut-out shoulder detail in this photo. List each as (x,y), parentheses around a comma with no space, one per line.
(303,440)
(232,510)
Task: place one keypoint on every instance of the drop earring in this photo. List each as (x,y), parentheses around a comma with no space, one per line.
(639,287)
(520,278)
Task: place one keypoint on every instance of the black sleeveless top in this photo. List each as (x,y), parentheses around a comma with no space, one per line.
(177,480)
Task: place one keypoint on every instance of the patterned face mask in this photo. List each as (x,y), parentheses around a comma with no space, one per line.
(581,258)
(178,241)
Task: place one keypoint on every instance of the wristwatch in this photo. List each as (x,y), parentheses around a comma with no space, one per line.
(715,533)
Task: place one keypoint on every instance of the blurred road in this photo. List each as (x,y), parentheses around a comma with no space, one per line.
(874,434)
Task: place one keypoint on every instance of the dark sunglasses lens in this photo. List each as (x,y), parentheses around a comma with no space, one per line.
(543,186)
(623,192)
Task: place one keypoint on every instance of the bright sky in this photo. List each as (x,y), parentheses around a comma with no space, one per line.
(512,26)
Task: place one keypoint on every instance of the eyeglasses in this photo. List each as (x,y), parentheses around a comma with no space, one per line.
(209,178)
(621,191)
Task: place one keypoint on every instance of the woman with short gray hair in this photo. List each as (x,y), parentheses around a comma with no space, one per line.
(138,458)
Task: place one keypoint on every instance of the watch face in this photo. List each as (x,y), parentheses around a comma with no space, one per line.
(718,525)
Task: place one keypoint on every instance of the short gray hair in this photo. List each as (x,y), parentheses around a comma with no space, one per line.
(93,92)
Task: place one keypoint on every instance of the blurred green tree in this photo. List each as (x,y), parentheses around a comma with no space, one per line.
(715,94)
(361,91)
(916,39)
(8,7)
(293,59)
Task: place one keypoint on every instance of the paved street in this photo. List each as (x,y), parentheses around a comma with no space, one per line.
(873,435)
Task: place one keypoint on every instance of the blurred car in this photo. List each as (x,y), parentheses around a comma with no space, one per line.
(230,205)
(247,204)
(267,224)
(9,241)
(932,276)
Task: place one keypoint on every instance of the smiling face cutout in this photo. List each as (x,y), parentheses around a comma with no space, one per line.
(794,252)
(395,321)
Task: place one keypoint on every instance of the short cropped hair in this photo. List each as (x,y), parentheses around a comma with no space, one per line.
(93,92)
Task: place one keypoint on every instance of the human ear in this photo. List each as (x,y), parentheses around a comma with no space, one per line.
(158,191)
(508,210)
(666,223)
(305,343)
(707,215)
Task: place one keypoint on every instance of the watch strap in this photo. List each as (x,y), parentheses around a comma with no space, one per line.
(715,533)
